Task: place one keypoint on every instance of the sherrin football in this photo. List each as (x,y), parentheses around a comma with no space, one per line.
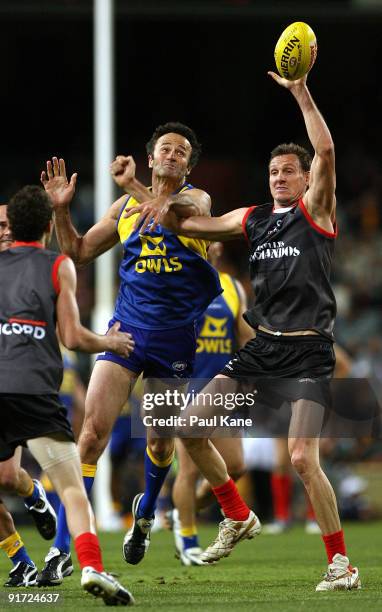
(296,51)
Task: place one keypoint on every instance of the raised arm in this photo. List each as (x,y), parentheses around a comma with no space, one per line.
(320,197)
(75,336)
(100,238)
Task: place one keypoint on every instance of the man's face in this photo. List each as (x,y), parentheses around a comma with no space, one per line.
(5,232)
(171,156)
(287,181)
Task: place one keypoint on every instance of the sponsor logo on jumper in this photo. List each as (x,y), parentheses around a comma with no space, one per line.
(274,250)
(27,327)
(179,366)
(279,223)
(213,336)
(153,256)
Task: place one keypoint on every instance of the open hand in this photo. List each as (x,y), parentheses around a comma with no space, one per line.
(56,184)
(285,82)
(154,210)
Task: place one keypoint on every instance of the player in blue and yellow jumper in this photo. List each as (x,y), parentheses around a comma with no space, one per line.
(166,284)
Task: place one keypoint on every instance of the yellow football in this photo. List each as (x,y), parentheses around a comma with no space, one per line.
(296,51)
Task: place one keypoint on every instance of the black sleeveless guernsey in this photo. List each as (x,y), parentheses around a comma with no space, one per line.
(30,358)
(290,263)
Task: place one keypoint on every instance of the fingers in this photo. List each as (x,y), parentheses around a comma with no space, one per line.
(54,168)
(49,169)
(146,218)
(73,180)
(130,212)
(43,177)
(115,327)
(61,167)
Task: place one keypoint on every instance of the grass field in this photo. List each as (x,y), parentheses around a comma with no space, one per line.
(268,573)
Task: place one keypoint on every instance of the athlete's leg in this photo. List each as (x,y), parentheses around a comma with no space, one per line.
(240,522)
(183,492)
(109,388)
(231,449)
(60,460)
(14,478)
(307,417)
(304,453)
(24,571)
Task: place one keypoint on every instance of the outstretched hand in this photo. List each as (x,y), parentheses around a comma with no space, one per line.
(152,211)
(285,82)
(56,184)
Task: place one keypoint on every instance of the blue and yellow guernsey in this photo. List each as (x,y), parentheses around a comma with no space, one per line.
(166,280)
(216,340)
(68,385)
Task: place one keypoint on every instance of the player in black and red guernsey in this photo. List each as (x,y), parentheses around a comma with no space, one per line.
(291,243)
(37,293)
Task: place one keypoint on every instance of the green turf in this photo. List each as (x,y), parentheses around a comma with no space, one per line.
(267,573)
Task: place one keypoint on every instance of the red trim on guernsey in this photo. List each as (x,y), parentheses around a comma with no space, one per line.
(15,320)
(244,220)
(318,229)
(18,243)
(56,265)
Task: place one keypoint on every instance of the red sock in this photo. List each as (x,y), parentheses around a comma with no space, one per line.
(310,516)
(281,493)
(232,504)
(334,543)
(88,551)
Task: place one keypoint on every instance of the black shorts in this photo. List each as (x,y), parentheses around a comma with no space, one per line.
(24,417)
(286,368)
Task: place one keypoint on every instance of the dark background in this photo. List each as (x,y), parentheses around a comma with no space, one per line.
(205,64)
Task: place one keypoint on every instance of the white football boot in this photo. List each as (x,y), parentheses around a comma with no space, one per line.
(339,577)
(230,533)
(187,556)
(101,584)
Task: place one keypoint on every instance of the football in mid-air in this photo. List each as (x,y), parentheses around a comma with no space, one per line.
(296,51)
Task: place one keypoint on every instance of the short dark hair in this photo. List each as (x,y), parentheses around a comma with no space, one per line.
(293,149)
(176,128)
(29,212)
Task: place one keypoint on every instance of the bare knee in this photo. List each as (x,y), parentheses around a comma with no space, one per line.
(92,441)
(161,448)
(9,479)
(303,462)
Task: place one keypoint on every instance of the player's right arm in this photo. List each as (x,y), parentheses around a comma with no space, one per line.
(100,238)
(72,333)
(226,227)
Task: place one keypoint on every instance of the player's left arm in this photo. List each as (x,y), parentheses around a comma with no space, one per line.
(320,197)
(243,332)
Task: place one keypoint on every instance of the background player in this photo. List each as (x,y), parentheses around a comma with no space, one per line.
(39,291)
(292,245)
(155,268)
(222,329)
